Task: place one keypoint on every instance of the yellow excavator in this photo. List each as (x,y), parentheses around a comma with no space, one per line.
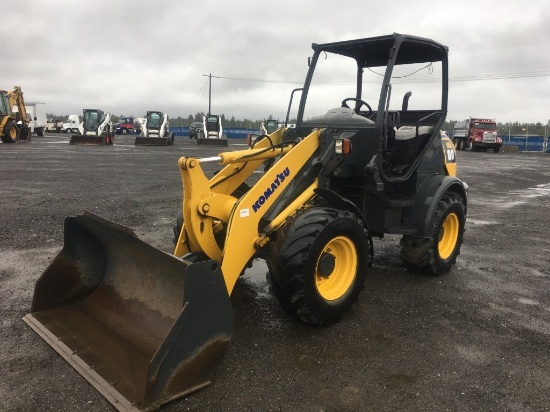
(14,126)
(145,327)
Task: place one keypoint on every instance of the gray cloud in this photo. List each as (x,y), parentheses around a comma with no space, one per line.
(128,57)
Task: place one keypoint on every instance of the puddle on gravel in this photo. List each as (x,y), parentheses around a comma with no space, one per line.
(525,195)
(526,301)
(480,222)
(255,277)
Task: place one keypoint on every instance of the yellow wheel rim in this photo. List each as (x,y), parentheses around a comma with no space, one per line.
(13,132)
(334,282)
(448,236)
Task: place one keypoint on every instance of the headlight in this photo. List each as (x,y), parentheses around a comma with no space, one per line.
(342,146)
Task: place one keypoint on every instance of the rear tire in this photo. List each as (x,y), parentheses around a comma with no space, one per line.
(319,264)
(437,254)
(10,133)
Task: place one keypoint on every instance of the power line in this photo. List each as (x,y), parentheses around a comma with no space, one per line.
(502,76)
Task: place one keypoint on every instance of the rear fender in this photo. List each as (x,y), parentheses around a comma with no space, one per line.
(428,197)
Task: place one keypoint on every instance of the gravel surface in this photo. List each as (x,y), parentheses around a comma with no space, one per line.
(476,339)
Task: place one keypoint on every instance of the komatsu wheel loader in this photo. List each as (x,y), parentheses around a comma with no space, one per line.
(14,125)
(96,128)
(155,131)
(145,327)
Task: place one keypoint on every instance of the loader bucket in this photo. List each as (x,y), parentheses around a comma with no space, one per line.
(153,141)
(203,141)
(142,326)
(91,139)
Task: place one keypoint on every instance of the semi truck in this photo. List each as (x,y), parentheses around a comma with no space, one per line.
(477,134)
(72,124)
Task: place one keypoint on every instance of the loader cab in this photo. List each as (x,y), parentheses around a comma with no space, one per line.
(154,120)
(271,125)
(212,123)
(387,95)
(212,126)
(92,119)
(5,108)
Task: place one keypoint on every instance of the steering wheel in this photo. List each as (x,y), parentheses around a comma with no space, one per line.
(362,103)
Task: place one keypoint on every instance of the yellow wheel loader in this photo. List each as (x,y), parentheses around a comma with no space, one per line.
(14,125)
(145,327)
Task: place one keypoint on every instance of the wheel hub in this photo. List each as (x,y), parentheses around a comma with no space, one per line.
(326,264)
(336,268)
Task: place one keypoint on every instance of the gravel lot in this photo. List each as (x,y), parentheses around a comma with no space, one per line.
(477,339)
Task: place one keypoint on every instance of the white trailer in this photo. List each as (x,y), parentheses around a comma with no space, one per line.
(38,122)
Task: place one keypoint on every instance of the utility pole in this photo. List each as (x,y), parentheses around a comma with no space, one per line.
(209,91)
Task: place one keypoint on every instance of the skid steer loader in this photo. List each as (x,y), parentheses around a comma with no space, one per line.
(213,132)
(96,128)
(145,327)
(155,131)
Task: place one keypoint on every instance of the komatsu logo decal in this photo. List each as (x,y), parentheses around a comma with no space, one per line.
(280,178)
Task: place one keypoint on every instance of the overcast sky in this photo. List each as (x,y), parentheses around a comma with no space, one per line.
(127,57)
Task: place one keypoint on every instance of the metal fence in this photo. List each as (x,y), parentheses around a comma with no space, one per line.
(523,143)
(229,133)
(527,143)
(526,137)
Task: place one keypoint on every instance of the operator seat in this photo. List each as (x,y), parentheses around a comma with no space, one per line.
(408,143)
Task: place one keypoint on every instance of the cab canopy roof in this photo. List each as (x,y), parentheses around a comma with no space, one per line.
(375,51)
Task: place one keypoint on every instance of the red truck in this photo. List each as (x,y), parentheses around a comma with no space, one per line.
(125,126)
(477,134)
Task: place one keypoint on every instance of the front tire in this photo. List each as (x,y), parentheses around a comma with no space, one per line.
(437,254)
(10,133)
(319,264)
(177,228)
